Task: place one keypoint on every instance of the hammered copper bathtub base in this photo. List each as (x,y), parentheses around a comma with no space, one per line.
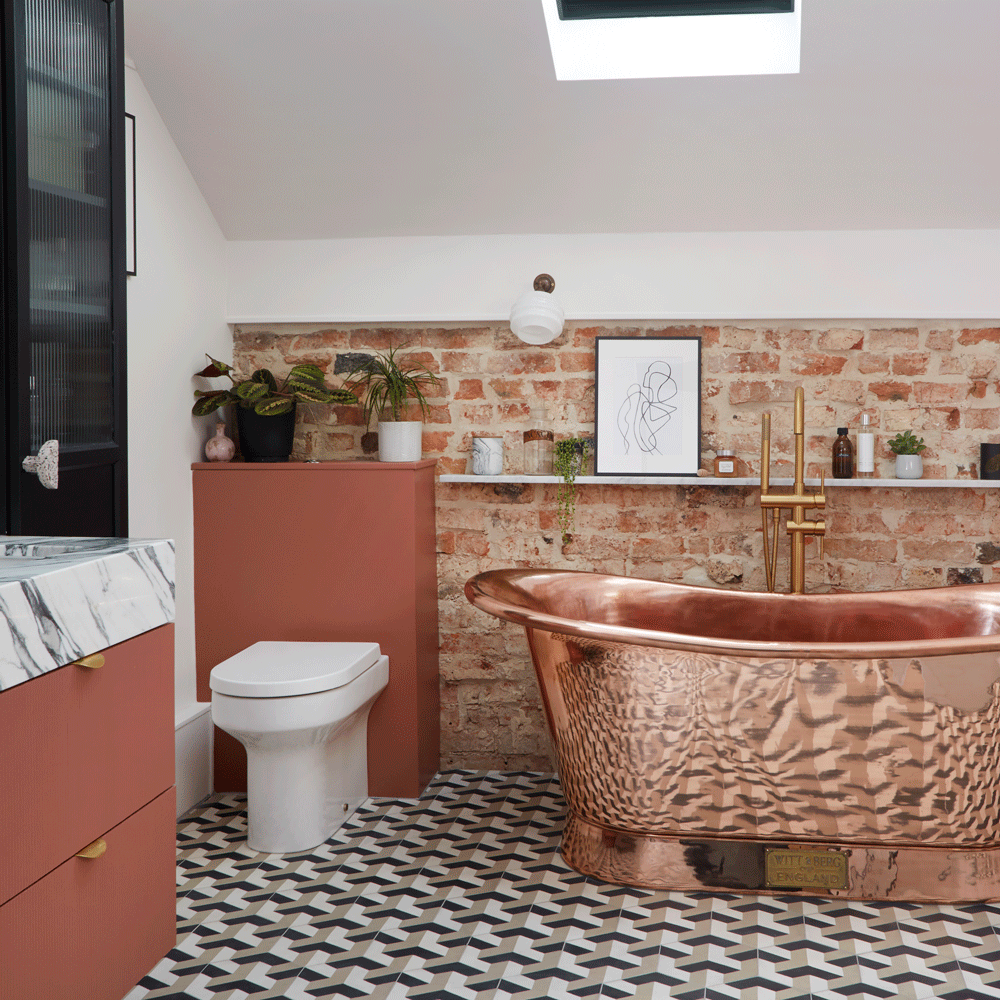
(704,739)
(714,864)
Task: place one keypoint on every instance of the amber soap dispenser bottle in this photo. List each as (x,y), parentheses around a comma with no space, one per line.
(843,455)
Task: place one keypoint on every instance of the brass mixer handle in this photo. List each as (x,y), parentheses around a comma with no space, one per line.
(822,490)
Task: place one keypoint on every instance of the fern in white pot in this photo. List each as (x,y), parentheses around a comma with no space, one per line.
(385,384)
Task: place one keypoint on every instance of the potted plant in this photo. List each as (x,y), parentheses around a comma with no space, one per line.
(265,410)
(569,458)
(387,383)
(907,449)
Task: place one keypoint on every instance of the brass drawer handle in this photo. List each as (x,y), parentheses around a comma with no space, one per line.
(94,850)
(93,662)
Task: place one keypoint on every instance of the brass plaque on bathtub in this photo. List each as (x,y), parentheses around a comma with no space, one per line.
(804,869)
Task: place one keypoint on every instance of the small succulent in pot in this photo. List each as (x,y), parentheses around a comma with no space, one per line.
(906,444)
(907,449)
(262,393)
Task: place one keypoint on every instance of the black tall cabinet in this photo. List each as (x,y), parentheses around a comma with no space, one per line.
(63,245)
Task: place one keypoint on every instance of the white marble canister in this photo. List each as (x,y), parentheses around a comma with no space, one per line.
(487,456)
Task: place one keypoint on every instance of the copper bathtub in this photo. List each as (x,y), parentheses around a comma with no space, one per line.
(836,745)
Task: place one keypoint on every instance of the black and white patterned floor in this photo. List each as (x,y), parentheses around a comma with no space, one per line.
(462,894)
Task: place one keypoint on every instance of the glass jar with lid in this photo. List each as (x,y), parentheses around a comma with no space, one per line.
(725,463)
(538,443)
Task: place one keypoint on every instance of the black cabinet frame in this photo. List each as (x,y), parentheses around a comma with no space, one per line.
(92,498)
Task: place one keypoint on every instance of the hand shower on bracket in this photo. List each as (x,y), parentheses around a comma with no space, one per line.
(798,502)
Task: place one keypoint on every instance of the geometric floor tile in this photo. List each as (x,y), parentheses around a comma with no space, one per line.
(462,895)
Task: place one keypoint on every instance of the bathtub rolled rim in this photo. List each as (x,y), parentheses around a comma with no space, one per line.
(477,592)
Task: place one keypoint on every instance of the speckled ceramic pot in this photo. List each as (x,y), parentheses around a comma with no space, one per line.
(220,448)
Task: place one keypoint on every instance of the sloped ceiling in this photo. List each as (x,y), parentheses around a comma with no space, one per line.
(314,119)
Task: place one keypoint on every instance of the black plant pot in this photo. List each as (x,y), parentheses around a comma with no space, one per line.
(265,439)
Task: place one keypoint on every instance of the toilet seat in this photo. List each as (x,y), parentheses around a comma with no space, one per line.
(285,669)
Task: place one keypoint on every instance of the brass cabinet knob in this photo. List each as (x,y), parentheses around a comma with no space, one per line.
(93,662)
(93,850)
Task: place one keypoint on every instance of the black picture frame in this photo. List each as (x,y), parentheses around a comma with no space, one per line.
(647,394)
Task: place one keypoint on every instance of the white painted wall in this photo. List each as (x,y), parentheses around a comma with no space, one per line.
(929,274)
(176,313)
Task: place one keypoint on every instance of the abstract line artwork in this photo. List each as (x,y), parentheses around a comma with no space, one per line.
(648,393)
(643,416)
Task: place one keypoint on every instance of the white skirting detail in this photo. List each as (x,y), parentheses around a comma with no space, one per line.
(193,754)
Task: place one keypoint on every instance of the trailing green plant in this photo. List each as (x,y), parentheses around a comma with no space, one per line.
(906,444)
(568,458)
(262,393)
(387,383)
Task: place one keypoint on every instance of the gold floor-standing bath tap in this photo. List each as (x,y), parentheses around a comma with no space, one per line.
(798,502)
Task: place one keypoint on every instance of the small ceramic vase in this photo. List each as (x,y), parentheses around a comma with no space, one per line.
(220,448)
(909,466)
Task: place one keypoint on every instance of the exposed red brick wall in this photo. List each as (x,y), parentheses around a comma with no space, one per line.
(940,380)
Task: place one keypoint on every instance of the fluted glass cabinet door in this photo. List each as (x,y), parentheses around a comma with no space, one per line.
(66,182)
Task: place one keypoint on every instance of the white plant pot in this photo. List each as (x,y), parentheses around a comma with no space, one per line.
(400,440)
(909,467)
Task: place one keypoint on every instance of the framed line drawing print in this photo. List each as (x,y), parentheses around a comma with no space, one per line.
(648,406)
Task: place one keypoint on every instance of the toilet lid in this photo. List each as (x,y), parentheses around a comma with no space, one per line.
(282,669)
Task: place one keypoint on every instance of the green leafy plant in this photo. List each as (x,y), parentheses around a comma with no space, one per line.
(569,457)
(387,383)
(906,444)
(262,393)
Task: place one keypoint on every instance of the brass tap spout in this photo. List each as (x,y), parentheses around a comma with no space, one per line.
(798,501)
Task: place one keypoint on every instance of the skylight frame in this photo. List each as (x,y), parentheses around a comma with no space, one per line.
(574,10)
(674,46)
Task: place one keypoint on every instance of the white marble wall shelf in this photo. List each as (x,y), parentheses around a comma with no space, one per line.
(962,484)
(65,598)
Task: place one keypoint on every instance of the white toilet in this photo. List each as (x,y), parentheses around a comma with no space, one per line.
(301,711)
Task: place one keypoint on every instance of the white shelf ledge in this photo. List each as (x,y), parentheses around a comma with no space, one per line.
(962,484)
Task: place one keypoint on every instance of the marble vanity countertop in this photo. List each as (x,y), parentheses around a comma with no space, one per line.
(65,598)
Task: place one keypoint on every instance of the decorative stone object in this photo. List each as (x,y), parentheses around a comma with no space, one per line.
(487,456)
(45,465)
(220,448)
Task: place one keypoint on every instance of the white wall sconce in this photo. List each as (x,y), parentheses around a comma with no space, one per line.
(536,317)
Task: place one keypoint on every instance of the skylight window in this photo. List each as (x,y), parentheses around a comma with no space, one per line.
(575,10)
(634,39)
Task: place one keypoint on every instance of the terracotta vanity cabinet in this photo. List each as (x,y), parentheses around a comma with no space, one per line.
(87,756)
(329,551)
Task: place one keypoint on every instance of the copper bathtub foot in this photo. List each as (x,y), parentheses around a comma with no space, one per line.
(771,867)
